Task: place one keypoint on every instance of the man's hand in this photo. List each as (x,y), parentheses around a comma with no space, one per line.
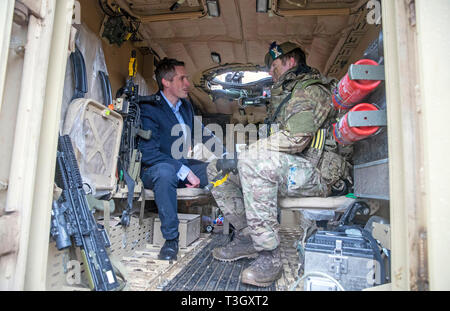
(194,181)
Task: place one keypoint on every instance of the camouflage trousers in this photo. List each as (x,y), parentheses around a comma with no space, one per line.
(251,199)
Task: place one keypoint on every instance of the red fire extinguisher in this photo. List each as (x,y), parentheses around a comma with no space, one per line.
(349,92)
(346,135)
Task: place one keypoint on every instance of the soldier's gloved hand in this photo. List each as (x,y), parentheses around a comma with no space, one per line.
(226,165)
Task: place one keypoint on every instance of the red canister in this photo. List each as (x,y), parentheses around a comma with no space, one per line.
(346,135)
(349,92)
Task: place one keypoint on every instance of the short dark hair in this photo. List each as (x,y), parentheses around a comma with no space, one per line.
(298,55)
(166,69)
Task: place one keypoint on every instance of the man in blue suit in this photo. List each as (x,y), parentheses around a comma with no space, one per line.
(163,170)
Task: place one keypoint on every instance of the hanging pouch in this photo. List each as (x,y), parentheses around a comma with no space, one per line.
(332,167)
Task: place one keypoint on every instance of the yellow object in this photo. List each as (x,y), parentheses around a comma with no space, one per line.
(89,272)
(220,181)
(132,67)
(319,139)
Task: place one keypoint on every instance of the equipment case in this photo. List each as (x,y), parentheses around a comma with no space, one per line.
(349,259)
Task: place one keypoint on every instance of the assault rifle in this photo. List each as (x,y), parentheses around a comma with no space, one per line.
(129,154)
(71,217)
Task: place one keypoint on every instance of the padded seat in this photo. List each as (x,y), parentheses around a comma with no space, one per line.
(313,204)
(182,194)
(338,204)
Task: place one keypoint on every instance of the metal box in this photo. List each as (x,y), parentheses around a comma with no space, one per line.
(371,180)
(348,259)
(189,229)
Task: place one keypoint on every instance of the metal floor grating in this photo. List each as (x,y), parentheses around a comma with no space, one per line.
(204,273)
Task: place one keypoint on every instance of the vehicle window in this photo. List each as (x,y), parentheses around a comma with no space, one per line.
(241,77)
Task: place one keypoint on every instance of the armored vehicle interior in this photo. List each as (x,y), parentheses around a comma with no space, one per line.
(223,45)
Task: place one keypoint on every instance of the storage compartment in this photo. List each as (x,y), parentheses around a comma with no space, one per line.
(189,229)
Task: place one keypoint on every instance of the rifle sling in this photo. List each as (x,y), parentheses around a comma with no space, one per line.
(130,184)
(106,215)
(141,213)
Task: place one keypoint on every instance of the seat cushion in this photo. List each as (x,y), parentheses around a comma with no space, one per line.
(182,194)
(330,203)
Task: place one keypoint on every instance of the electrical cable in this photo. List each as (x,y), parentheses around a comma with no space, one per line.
(374,246)
(108,12)
(365,234)
(134,23)
(134,29)
(119,273)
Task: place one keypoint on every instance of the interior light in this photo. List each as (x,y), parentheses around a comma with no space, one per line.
(215,57)
(213,8)
(262,6)
(176,5)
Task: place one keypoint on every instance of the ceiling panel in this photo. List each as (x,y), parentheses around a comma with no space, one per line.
(241,35)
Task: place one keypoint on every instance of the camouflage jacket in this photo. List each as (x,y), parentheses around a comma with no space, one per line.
(305,124)
(303,115)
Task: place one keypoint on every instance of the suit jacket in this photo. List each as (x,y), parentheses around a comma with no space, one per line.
(160,119)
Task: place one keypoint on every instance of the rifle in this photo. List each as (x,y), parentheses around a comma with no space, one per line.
(71,217)
(129,154)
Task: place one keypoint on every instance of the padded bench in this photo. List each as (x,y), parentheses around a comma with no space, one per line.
(331,203)
(335,204)
(313,204)
(183,194)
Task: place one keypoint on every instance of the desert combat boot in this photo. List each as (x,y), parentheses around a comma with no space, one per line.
(240,247)
(265,270)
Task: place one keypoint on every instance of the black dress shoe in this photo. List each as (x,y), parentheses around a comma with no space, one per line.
(169,250)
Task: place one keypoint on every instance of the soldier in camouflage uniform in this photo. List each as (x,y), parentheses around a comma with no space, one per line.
(299,159)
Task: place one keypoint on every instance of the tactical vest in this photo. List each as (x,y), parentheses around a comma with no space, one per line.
(279,98)
(323,151)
